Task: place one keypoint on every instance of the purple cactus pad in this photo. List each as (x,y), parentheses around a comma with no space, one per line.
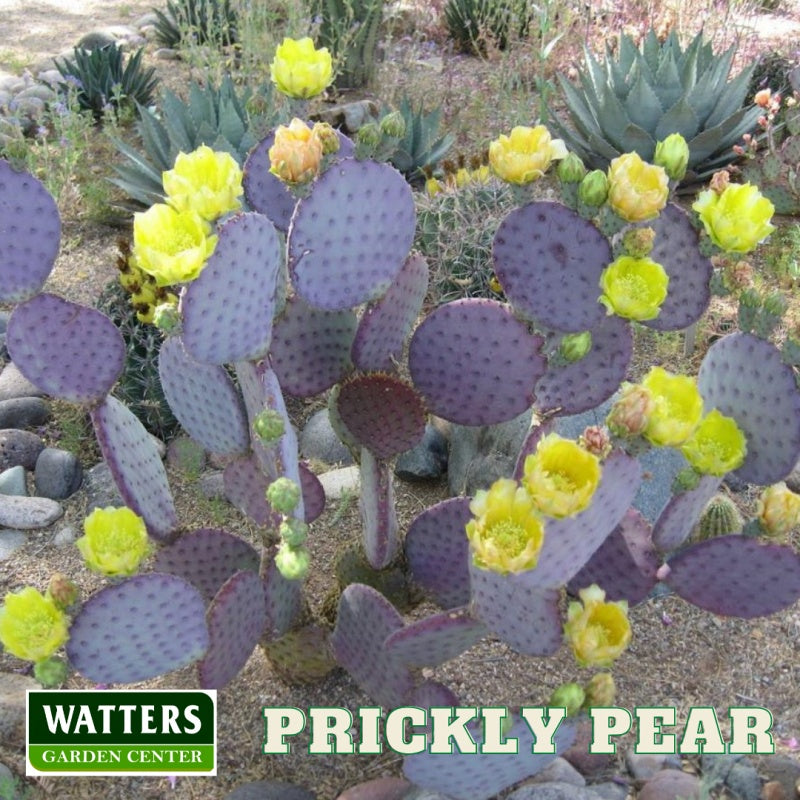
(549,260)
(364,621)
(744,377)
(246,486)
(30,234)
(227,311)
(313,493)
(378,511)
(385,325)
(204,400)
(624,565)
(67,350)
(753,579)
(235,620)
(284,600)
(475,363)
(132,457)
(350,237)
(311,347)
(207,557)
(138,629)
(437,551)
(681,513)
(265,192)
(676,248)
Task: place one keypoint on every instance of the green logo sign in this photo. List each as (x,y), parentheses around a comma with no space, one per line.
(122,733)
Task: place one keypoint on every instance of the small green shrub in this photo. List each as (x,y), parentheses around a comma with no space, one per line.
(476,24)
(185,22)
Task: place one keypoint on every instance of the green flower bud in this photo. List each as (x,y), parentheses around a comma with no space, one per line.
(574,346)
(166,317)
(293,532)
(327,136)
(51,672)
(673,155)
(638,242)
(269,425)
(393,125)
(569,696)
(571,169)
(593,189)
(775,304)
(283,495)
(62,591)
(685,481)
(292,562)
(369,135)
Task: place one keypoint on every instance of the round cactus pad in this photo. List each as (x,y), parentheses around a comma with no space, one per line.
(67,350)
(586,383)
(350,237)
(30,234)
(382,413)
(227,311)
(570,542)
(235,620)
(204,400)
(481,776)
(246,486)
(313,493)
(524,616)
(311,347)
(474,363)
(437,550)
(681,513)
(384,326)
(138,629)
(744,377)
(625,564)
(207,557)
(364,621)
(689,271)
(265,192)
(549,260)
(436,639)
(132,457)
(751,579)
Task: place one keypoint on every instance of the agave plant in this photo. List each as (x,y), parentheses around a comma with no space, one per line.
(630,102)
(420,146)
(103,79)
(216,117)
(197,21)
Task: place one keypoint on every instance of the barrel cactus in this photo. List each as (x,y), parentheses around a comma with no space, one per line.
(720,518)
(631,101)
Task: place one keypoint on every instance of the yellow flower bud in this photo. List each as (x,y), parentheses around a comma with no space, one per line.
(561,476)
(171,246)
(32,627)
(778,510)
(328,137)
(114,542)
(299,70)
(636,190)
(634,288)
(204,181)
(631,412)
(677,407)
(717,446)
(737,219)
(506,532)
(600,691)
(673,154)
(296,154)
(525,155)
(638,242)
(598,632)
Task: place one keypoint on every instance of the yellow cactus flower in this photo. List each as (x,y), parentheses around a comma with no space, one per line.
(204,181)
(717,446)
(631,412)
(561,476)
(598,632)
(677,407)
(433,186)
(636,190)
(506,533)
(736,219)
(296,154)
(778,509)
(171,246)
(115,541)
(32,627)
(634,288)
(300,70)
(525,155)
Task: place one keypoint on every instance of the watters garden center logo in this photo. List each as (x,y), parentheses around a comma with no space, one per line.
(122,732)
